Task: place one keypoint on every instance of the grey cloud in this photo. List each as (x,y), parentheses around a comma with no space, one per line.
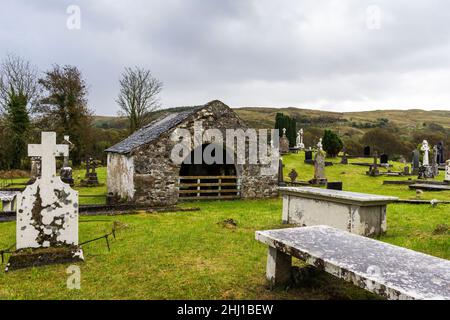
(315,54)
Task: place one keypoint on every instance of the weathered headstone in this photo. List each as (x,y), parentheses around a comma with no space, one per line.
(293,175)
(447,172)
(319,169)
(309,157)
(66,170)
(426,149)
(373,170)
(434,162)
(440,153)
(47,213)
(384,158)
(367,152)
(320,145)
(334,185)
(415,164)
(406,171)
(299,142)
(91,176)
(35,169)
(284,143)
(426,171)
(344,159)
(280,173)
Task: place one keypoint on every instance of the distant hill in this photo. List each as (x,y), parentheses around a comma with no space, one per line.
(356,122)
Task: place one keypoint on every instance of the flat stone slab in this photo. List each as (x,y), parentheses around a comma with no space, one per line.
(430,187)
(390,271)
(8,195)
(362,199)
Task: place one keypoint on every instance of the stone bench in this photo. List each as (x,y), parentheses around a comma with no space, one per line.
(387,270)
(360,213)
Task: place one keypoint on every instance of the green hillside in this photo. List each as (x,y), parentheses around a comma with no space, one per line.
(399,131)
(265,117)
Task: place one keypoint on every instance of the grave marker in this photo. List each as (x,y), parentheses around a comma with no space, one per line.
(440,153)
(299,142)
(284,143)
(319,167)
(447,172)
(415,164)
(47,213)
(367,151)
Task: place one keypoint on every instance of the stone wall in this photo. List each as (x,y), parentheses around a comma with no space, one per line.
(120,174)
(156,176)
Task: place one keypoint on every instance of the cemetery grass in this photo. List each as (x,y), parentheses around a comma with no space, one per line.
(193,255)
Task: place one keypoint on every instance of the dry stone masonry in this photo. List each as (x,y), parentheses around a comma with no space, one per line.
(140,169)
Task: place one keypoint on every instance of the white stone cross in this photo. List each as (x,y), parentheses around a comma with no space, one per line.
(48,150)
(319,145)
(425,148)
(284,132)
(300,139)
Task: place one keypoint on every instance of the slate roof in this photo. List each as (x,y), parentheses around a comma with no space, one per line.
(152,131)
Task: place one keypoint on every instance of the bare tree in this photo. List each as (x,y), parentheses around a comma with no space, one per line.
(18,77)
(138,96)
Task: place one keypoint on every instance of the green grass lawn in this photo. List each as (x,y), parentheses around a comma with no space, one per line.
(191,255)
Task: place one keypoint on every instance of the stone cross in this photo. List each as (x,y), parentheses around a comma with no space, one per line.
(70,145)
(47,151)
(415,161)
(319,145)
(425,148)
(434,161)
(319,169)
(300,139)
(284,132)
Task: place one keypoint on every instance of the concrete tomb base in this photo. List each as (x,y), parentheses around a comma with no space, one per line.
(358,213)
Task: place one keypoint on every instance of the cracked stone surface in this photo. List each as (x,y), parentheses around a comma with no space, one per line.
(390,271)
(356,197)
(47,210)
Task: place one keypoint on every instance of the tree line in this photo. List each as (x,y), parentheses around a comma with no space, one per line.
(57,100)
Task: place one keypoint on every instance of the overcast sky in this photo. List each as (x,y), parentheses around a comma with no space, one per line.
(342,55)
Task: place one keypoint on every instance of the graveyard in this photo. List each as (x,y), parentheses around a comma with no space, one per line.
(201,255)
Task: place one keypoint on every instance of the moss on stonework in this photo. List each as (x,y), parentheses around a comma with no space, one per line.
(34,257)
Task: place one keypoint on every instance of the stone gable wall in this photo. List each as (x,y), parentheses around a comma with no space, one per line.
(156,176)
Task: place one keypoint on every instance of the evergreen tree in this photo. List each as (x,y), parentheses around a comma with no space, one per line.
(288,123)
(18,123)
(332,144)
